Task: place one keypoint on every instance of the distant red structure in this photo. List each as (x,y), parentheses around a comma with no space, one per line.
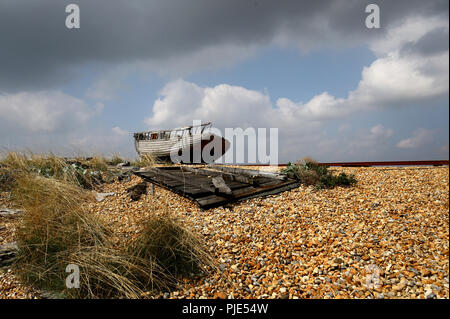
(368,164)
(388,163)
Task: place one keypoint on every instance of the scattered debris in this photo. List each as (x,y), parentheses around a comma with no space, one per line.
(101,196)
(123,164)
(124,176)
(137,191)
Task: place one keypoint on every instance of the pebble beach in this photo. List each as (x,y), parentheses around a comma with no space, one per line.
(386,237)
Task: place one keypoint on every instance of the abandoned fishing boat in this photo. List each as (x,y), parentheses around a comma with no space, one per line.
(185,144)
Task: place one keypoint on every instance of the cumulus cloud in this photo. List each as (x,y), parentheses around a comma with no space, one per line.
(46,111)
(419,138)
(182,101)
(52,121)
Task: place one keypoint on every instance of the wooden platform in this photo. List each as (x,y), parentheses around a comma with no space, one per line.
(217,185)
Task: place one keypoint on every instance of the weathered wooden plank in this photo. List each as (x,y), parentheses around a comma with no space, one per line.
(272,191)
(249,191)
(220,185)
(247,172)
(212,200)
(233,185)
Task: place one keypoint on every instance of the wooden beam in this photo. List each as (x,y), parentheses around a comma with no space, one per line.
(247,172)
(221,186)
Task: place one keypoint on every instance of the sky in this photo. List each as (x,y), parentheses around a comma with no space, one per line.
(335,89)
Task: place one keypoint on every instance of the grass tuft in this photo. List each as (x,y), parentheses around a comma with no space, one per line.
(79,172)
(98,163)
(57,229)
(146,160)
(310,172)
(176,250)
(116,159)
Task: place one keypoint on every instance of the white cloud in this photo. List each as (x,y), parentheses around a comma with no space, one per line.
(120,131)
(182,101)
(51,121)
(320,107)
(41,111)
(396,80)
(419,138)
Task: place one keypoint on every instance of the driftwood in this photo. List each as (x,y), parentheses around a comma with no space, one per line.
(220,185)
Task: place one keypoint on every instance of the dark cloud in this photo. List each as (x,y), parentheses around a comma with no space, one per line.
(434,42)
(37,51)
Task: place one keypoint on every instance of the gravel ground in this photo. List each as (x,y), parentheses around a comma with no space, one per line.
(387,237)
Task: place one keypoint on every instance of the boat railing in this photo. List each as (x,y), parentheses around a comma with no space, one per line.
(168,134)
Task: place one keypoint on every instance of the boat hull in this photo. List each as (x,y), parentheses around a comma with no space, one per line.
(183,148)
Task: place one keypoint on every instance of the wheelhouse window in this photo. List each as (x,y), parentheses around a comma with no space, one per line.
(164,135)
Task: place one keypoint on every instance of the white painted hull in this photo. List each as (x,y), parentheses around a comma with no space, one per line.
(163,148)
